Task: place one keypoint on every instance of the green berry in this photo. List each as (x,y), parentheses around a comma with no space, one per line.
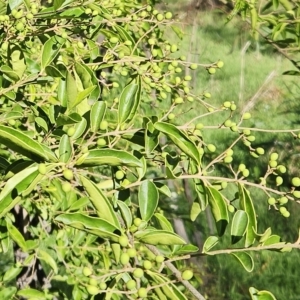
(113,40)
(42,169)
(159,17)
(174,48)
(80,45)
(151,41)
(93,282)
(103,125)
(199,126)
(211,70)
(71,131)
(138,273)
(260,151)
(193,66)
(228,123)
(171,116)
(279,180)
(246,116)
(246,173)
(119,175)
(228,159)
(159,258)
(87,271)
(137,222)
(296,181)
(242,167)
(207,95)
(220,64)
(251,138)
(296,194)
(131,284)
(66,187)
(92,290)
(124,259)
(101,142)
(233,107)
(246,131)
(211,148)
(131,252)
(283,200)
(68,174)
(168,15)
(123,241)
(286,214)
(20,26)
(231,208)
(142,292)
(88,11)
(271,201)
(102,286)
(281,169)
(187,275)
(274,156)
(227,104)
(178,100)
(273,163)
(282,209)
(147,264)
(4,46)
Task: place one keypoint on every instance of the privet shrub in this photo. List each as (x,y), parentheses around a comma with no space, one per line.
(91,95)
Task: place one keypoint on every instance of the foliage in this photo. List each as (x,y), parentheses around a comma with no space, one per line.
(90,141)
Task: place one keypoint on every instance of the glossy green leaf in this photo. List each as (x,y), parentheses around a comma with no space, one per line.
(82,95)
(71,90)
(272,239)
(96,226)
(186,249)
(126,213)
(21,143)
(41,123)
(97,114)
(62,94)
(245,259)
(247,205)
(148,199)
(260,295)
(11,273)
(163,189)
(80,128)
(129,102)
(219,209)
(101,203)
(168,288)
(29,293)
(9,195)
(195,211)
(7,292)
(180,139)
(9,73)
(238,226)
(51,49)
(65,149)
(48,259)
(4,164)
(110,157)
(164,223)
(210,242)
(13,4)
(80,203)
(17,59)
(72,118)
(151,138)
(161,237)
(16,236)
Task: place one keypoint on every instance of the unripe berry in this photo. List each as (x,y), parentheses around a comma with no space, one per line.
(138,273)
(296,181)
(242,167)
(207,95)
(80,45)
(227,104)
(159,17)
(282,209)
(211,147)
(199,126)
(220,64)
(113,40)
(42,169)
(274,156)
(233,106)
(101,142)
(231,208)
(260,151)
(66,187)
(123,241)
(119,175)
(228,159)
(281,169)
(174,48)
(92,290)
(271,201)
(147,264)
(246,173)
(103,125)
(273,163)
(283,200)
(168,15)
(211,70)
(142,292)
(279,180)
(103,286)
(193,66)
(187,275)
(171,116)
(296,194)
(137,222)
(124,259)
(68,174)
(131,284)
(131,252)
(227,123)
(87,271)
(159,258)
(71,131)
(246,116)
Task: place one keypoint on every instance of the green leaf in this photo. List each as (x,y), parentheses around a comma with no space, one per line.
(65,149)
(180,139)
(101,203)
(219,209)
(238,226)
(161,237)
(7,293)
(129,101)
(80,128)
(260,295)
(96,226)
(247,205)
(168,288)
(29,293)
(11,75)
(9,195)
(48,259)
(210,242)
(126,213)
(51,49)
(82,95)
(151,138)
(13,4)
(16,235)
(148,199)
(21,143)
(245,259)
(97,114)
(186,249)
(195,211)
(71,90)
(163,222)
(272,239)
(17,60)
(11,273)
(110,157)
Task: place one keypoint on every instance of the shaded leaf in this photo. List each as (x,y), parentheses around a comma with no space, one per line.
(238,226)
(51,49)
(245,259)
(210,242)
(65,149)
(161,237)
(97,114)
